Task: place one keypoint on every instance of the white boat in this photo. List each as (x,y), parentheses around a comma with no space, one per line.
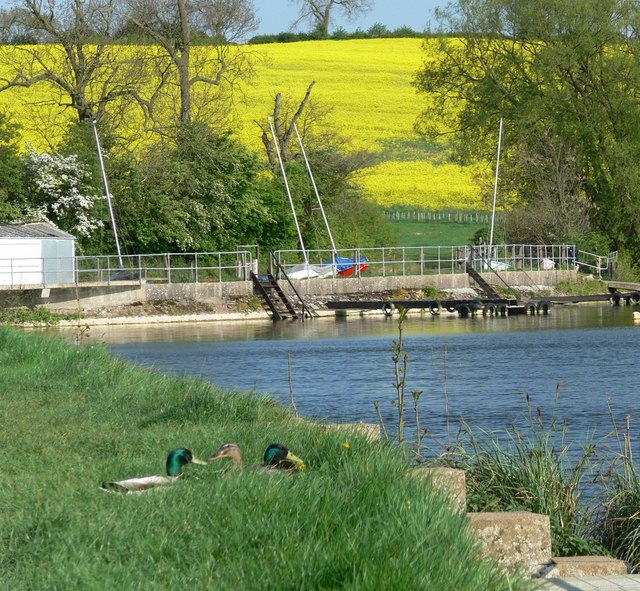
(496,266)
(309,271)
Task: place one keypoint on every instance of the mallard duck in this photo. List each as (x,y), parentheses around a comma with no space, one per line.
(176,460)
(276,457)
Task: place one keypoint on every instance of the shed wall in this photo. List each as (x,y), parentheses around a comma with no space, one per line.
(20,261)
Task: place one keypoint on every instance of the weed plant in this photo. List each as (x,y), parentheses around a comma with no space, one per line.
(37,315)
(75,416)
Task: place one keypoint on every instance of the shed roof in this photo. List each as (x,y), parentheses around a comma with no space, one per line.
(34,230)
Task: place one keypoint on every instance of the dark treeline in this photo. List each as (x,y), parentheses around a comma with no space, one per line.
(376,31)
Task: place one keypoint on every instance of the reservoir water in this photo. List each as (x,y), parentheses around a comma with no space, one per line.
(579,365)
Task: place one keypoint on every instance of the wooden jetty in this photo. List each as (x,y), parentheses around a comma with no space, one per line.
(483,306)
(465,308)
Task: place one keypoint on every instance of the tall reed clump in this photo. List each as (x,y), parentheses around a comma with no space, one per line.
(618,524)
(75,416)
(533,471)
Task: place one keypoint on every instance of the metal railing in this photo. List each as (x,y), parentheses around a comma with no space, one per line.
(439,260)
(206,267)
(200,267)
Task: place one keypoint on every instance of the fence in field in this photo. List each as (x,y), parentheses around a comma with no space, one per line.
(438,216)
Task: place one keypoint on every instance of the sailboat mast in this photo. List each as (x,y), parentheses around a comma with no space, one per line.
(315,189)
(286,184)
(495,190)
(108,195)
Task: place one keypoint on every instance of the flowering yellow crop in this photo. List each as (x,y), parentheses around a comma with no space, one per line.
(366,86)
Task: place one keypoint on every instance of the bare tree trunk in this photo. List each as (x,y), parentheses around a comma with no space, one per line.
(283,131)
(183,63)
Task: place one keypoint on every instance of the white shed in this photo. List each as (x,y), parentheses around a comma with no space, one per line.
(36,254)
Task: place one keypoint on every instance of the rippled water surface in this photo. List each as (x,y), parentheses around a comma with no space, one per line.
(570,363)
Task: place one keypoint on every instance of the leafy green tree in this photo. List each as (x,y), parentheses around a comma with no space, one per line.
(201,193)
(11,171)
(565,77)
(354,220)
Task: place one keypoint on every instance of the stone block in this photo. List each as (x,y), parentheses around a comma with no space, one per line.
(449,480)
(371,431)
(586,566)
(515,541)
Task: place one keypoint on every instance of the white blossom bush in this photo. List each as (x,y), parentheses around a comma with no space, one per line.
(61,192)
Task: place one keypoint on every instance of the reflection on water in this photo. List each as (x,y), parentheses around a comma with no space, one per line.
(484,366)
(567,316)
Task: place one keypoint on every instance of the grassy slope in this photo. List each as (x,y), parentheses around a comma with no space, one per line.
(74,416)
(365,83)
(411,233)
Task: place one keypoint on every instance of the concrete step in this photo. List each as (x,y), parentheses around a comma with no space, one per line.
(585,566)
(610,583)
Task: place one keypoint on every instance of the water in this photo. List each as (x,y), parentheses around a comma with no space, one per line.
(574,364)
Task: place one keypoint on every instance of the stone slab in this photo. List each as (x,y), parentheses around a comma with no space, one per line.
(515,541)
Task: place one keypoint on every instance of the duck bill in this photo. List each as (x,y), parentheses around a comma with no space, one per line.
(299,463)
(198,461)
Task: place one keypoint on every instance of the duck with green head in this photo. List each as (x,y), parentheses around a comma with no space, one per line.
(176,461)
(276,457)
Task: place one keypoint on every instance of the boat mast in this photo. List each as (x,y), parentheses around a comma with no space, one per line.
(495,191)
(108,194)
(286,184)
(315,188)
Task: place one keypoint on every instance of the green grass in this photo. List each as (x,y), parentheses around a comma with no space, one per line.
(412,233)
(74,416)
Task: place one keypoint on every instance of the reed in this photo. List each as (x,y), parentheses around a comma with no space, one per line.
(74,416)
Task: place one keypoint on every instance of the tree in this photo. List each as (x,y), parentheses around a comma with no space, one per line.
(60,192)
(71,57)
(284,125)
(202,193)
(11,171)
(566,72)
(319,12)
(203,77)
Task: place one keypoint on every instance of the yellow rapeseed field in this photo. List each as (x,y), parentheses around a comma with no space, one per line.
(366,86)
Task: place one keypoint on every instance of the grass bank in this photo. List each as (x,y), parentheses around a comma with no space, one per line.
(74,416)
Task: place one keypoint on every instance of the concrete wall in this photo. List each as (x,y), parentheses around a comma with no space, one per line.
(87,297)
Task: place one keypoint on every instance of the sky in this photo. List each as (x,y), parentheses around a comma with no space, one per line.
(277,15)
